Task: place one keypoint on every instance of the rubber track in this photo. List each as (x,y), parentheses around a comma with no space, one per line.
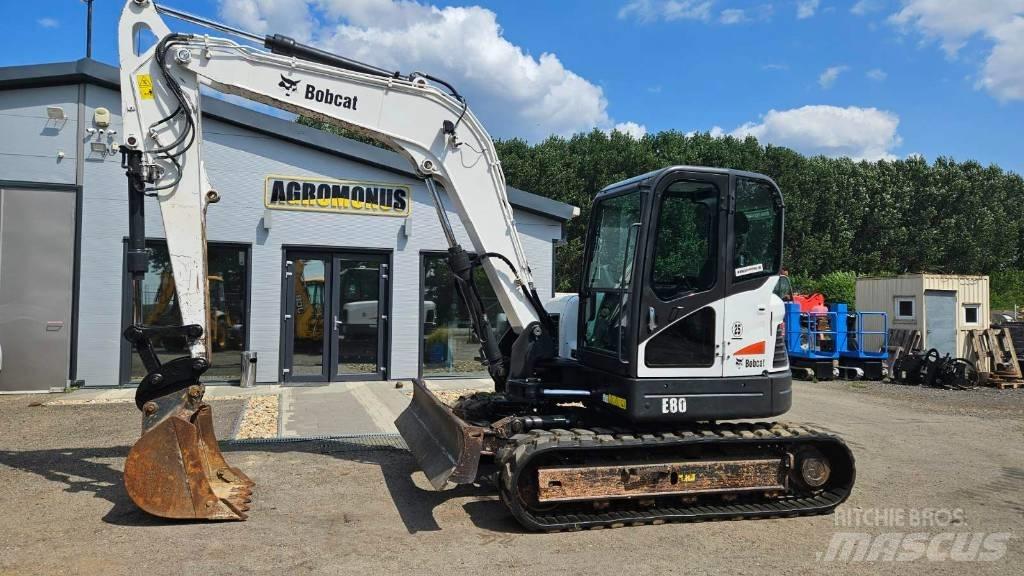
(515,457)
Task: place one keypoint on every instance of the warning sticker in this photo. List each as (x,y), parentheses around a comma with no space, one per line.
(617,401)
(752,269)
(737,330)
(145,86)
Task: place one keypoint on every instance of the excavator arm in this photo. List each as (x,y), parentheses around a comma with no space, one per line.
(422,117)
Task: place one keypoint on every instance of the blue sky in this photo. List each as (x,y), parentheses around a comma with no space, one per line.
(869,78)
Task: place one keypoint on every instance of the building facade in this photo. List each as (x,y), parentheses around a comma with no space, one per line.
(319,294)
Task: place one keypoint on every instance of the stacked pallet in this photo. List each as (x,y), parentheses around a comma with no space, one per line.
(1016,330)
(995,357)
(901,343)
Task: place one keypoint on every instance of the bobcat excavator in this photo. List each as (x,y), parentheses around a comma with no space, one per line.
(608,404)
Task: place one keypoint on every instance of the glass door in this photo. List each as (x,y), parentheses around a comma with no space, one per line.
(359,315)
(335,316)
(306,353)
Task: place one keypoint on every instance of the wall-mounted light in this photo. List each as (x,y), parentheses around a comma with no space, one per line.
(267,219)
(407,227)
(99,147)
(55,113)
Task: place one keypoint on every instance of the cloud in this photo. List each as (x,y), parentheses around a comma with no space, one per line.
(876,74)
(859,133)
(631,128)
(953,24)
(48,22)
(514,92)
(1003,74)
(806,8)
(864,6)
(830,75)
(715,132)
(668,10)
(289,17)
(732,16)
(775,67)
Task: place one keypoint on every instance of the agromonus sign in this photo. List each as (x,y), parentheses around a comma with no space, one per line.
(339,196)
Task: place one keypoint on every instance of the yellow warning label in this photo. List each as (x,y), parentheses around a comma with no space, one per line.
(617,401)
(145,86)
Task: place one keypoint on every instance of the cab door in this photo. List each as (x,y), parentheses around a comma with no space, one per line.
(752,310)
(681,309)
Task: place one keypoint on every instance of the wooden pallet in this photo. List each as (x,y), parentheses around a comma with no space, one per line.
(901,342)
(1009,384)
(993,354)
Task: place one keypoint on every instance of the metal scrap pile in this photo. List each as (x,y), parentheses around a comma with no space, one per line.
(931,369)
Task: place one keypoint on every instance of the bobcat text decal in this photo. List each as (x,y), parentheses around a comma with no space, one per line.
(756,350)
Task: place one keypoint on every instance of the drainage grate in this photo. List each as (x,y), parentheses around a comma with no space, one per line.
(332,444)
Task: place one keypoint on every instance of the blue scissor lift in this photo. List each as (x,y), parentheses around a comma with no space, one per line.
(813,342)
(826,345)
(864,351)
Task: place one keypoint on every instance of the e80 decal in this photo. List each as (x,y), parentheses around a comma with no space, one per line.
(673,405)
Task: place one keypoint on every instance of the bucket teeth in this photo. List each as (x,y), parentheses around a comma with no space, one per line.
(176,470)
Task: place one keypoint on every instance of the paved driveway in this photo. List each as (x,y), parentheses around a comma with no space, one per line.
(336,508)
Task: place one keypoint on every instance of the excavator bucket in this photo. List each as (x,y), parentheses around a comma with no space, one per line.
(176,470)
(446,447)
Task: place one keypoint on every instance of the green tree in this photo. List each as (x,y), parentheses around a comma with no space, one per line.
(883,217)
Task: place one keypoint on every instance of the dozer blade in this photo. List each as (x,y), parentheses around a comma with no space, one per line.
(446,448)
(176,470)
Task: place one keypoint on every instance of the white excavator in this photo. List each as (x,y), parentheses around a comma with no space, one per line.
(608,404)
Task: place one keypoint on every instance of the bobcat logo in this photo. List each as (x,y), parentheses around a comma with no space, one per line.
(289,85)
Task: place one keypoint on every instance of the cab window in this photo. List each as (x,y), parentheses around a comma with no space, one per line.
(757,227)
(609,270)
(686,250)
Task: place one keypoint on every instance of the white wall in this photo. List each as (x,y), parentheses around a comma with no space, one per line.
(31,142)
(237,161)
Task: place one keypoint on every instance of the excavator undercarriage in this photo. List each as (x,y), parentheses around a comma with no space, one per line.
(595,473)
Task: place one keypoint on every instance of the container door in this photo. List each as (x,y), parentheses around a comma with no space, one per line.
(940,321)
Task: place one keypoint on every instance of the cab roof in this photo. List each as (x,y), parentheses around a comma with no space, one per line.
(654,176)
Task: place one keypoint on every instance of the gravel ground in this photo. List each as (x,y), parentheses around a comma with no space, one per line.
(322,509)
(981,402)
(260,418)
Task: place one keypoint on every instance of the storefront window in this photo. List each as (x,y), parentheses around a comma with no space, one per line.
(228,273)
(449,346)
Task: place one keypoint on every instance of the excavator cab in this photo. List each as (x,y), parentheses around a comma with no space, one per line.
(676,298)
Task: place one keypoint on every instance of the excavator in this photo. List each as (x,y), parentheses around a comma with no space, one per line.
(220,315)
(636,400)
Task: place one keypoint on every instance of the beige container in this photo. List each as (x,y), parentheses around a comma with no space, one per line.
(942,307)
